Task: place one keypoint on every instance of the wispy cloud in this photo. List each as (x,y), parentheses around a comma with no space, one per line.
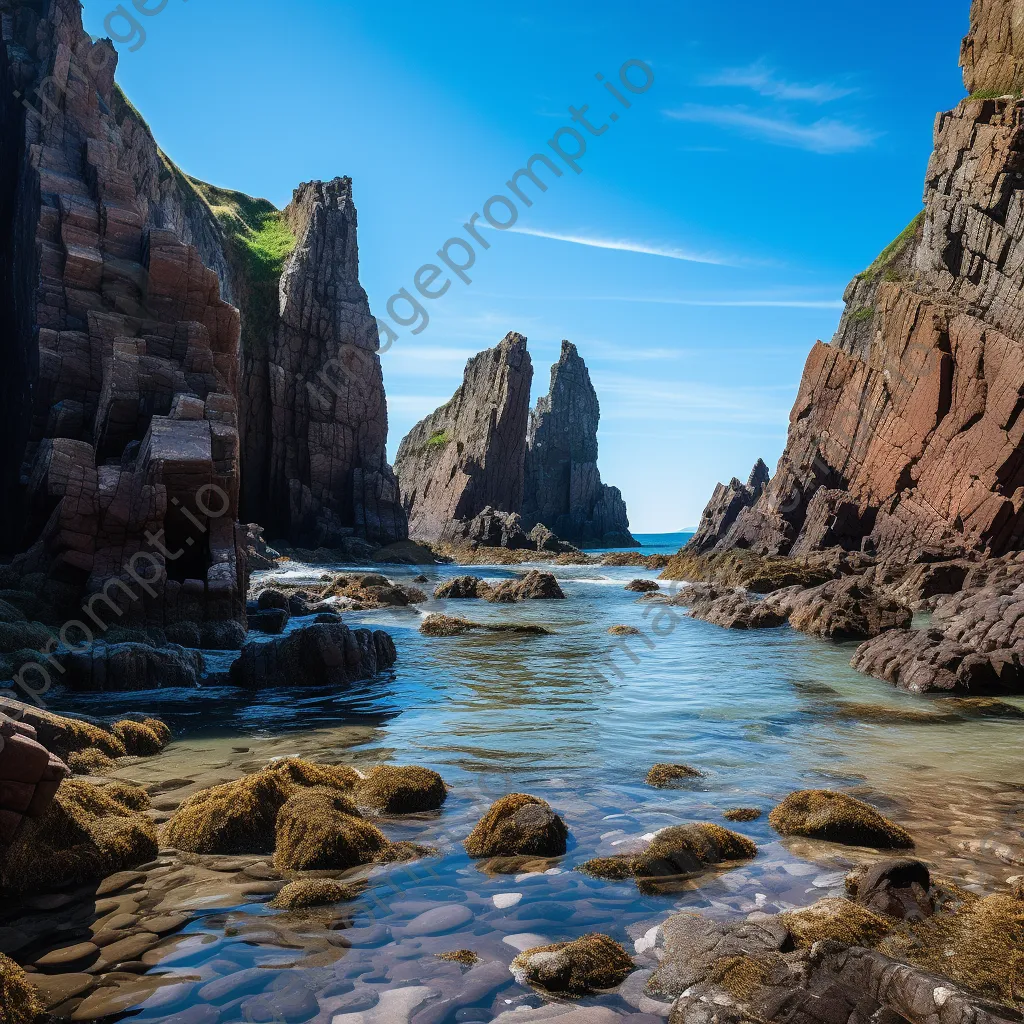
(627,245)
(763,80)
(689,401)
(825,136)
(754,303)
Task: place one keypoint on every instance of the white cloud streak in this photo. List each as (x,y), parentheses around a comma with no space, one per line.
(626,245)
(764,81)
(826,136)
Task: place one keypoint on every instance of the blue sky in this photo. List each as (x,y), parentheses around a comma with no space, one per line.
(700,253)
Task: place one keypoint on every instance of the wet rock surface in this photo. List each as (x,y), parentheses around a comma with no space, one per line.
(324,654)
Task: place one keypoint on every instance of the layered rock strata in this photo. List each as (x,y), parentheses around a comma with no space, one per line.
(132,414)
(906,435)
(469,455)
(317,391)
(123,357)
(563,489)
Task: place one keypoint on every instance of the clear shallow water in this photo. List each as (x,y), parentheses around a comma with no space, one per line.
(576,718)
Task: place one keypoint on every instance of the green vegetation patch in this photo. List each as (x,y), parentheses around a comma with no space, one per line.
(863,315)
(439,440)
(256,226)
(884,266)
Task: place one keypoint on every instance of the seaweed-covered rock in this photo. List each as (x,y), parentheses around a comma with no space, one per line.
(401,789)
(979,945)
(321,829)
(760,574)
(837,818)
(534,586)
(90,762)
(323,654)
(128,794)
(836,920)
(624,631)
(690,849)
(518,825)
(241,816)
(461,588)
(642,587)
(61,735)
(743,814)
(85,834)
(662,776)
(142,739)
(19,998)
(674,854)
(124,667)
(589,964)
(314,892)
(447,625)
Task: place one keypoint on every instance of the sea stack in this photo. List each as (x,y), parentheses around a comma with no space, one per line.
(316,422)
(906,437)
(563,488)
(469,455)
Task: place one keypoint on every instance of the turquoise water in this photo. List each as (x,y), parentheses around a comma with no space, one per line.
(577,718)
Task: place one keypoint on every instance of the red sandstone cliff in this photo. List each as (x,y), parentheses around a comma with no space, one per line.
(906,436)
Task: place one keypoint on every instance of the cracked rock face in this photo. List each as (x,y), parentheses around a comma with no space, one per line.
(907,432)
(469,455)
(120,388)
(563,489)
(325,476)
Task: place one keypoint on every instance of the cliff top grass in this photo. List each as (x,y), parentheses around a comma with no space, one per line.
(884,266)
(256,226)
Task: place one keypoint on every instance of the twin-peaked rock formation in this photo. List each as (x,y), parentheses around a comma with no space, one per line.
(906,437)
(563,486)
(125,388)
(484,457)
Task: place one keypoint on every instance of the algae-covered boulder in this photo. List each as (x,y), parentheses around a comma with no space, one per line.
(447,625)
(624,631)
(129,795)
(518,825)
(674,854)
(590,964)
(739,814)
(321,829)
(837,818)
(534,586)
(143,739)
(979,944)
(19,998)
(836,920)
(85,834)
(663,776)
(241,816)
(315,892)
(689,849)
(461,588)
(401,789)
(90,762)
(642,587)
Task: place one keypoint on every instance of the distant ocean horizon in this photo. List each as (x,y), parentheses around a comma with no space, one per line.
(658,543)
